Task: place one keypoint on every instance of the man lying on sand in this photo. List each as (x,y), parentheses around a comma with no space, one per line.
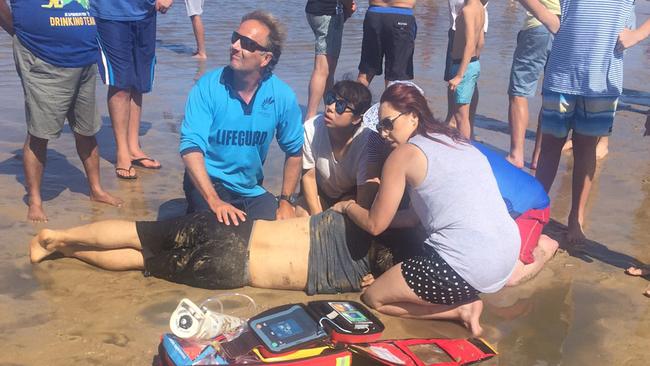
(321,254)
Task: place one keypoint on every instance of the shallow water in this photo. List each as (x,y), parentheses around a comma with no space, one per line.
(580,310)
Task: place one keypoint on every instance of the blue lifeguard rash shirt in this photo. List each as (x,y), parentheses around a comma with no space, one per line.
(234,137)
(520,190)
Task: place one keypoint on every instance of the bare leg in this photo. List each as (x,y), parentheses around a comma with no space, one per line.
(584,168)
(518,120)
(101,235)
(461,115)
(451,107)
(542,253)
(135,150)
(602,149)
(34,157)
(473,107)
(549,159)
(538,142)
(89,155)
(321,80)
(365,78)
(390,294)
(125,259)
(199,34)
(119,108)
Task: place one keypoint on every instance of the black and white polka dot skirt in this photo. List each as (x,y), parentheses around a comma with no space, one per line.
(433,280)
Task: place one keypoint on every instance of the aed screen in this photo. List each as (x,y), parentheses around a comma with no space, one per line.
(286,328)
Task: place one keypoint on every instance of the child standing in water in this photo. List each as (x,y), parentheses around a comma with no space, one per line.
(466,68)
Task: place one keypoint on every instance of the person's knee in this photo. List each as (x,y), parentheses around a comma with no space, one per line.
(35,143)
(117,94)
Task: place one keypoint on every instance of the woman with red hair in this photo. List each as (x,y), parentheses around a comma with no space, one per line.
(471,244)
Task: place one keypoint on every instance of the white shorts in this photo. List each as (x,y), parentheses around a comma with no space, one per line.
(194,7)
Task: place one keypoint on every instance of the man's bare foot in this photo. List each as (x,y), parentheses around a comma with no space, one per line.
(470,315)
(35,212)
(42,245)
(602,148)
(575,235)
(105,197)
(647,291)
(636,271)
(518,162)
(199,55)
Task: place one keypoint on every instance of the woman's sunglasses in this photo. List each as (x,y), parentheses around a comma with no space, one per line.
(247,43)
(387,124)
(340,105)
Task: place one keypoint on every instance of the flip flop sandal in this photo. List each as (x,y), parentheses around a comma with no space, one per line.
(138,163)
(128,175)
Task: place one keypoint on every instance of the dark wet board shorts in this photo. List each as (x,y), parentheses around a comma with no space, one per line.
(388,32)
(196,250)
(338,254)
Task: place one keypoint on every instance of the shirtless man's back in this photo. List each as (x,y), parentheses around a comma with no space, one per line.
(471,19)
(467,45)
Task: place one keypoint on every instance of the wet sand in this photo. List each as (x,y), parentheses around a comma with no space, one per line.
(580,310)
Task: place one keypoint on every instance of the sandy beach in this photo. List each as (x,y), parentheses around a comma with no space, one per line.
(581,310)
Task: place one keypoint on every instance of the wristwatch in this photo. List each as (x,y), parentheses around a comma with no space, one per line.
(289,198)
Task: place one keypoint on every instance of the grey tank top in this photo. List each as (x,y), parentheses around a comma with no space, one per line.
(466,220)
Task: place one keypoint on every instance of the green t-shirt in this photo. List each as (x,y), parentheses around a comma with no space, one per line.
(531,21)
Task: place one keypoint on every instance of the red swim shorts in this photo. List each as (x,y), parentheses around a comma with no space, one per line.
(530,225)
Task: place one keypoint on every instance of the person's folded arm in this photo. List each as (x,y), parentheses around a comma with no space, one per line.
(545,16)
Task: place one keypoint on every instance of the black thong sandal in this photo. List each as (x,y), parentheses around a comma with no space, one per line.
(138,163)
(128,175)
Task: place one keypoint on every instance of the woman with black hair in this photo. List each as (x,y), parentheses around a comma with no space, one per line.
(334,149)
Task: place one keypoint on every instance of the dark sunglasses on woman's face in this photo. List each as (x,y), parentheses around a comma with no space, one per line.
(247,43)
(340,105)
(387,124)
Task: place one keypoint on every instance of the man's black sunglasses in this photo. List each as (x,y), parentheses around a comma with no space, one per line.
(387,124)
(340,105)
(247,43)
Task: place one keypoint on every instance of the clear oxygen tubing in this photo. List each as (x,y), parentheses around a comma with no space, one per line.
(216,299)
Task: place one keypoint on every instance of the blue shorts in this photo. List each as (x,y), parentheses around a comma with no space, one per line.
(465,90)
(127,53)
(533,47)
(328,33)
(588,116)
